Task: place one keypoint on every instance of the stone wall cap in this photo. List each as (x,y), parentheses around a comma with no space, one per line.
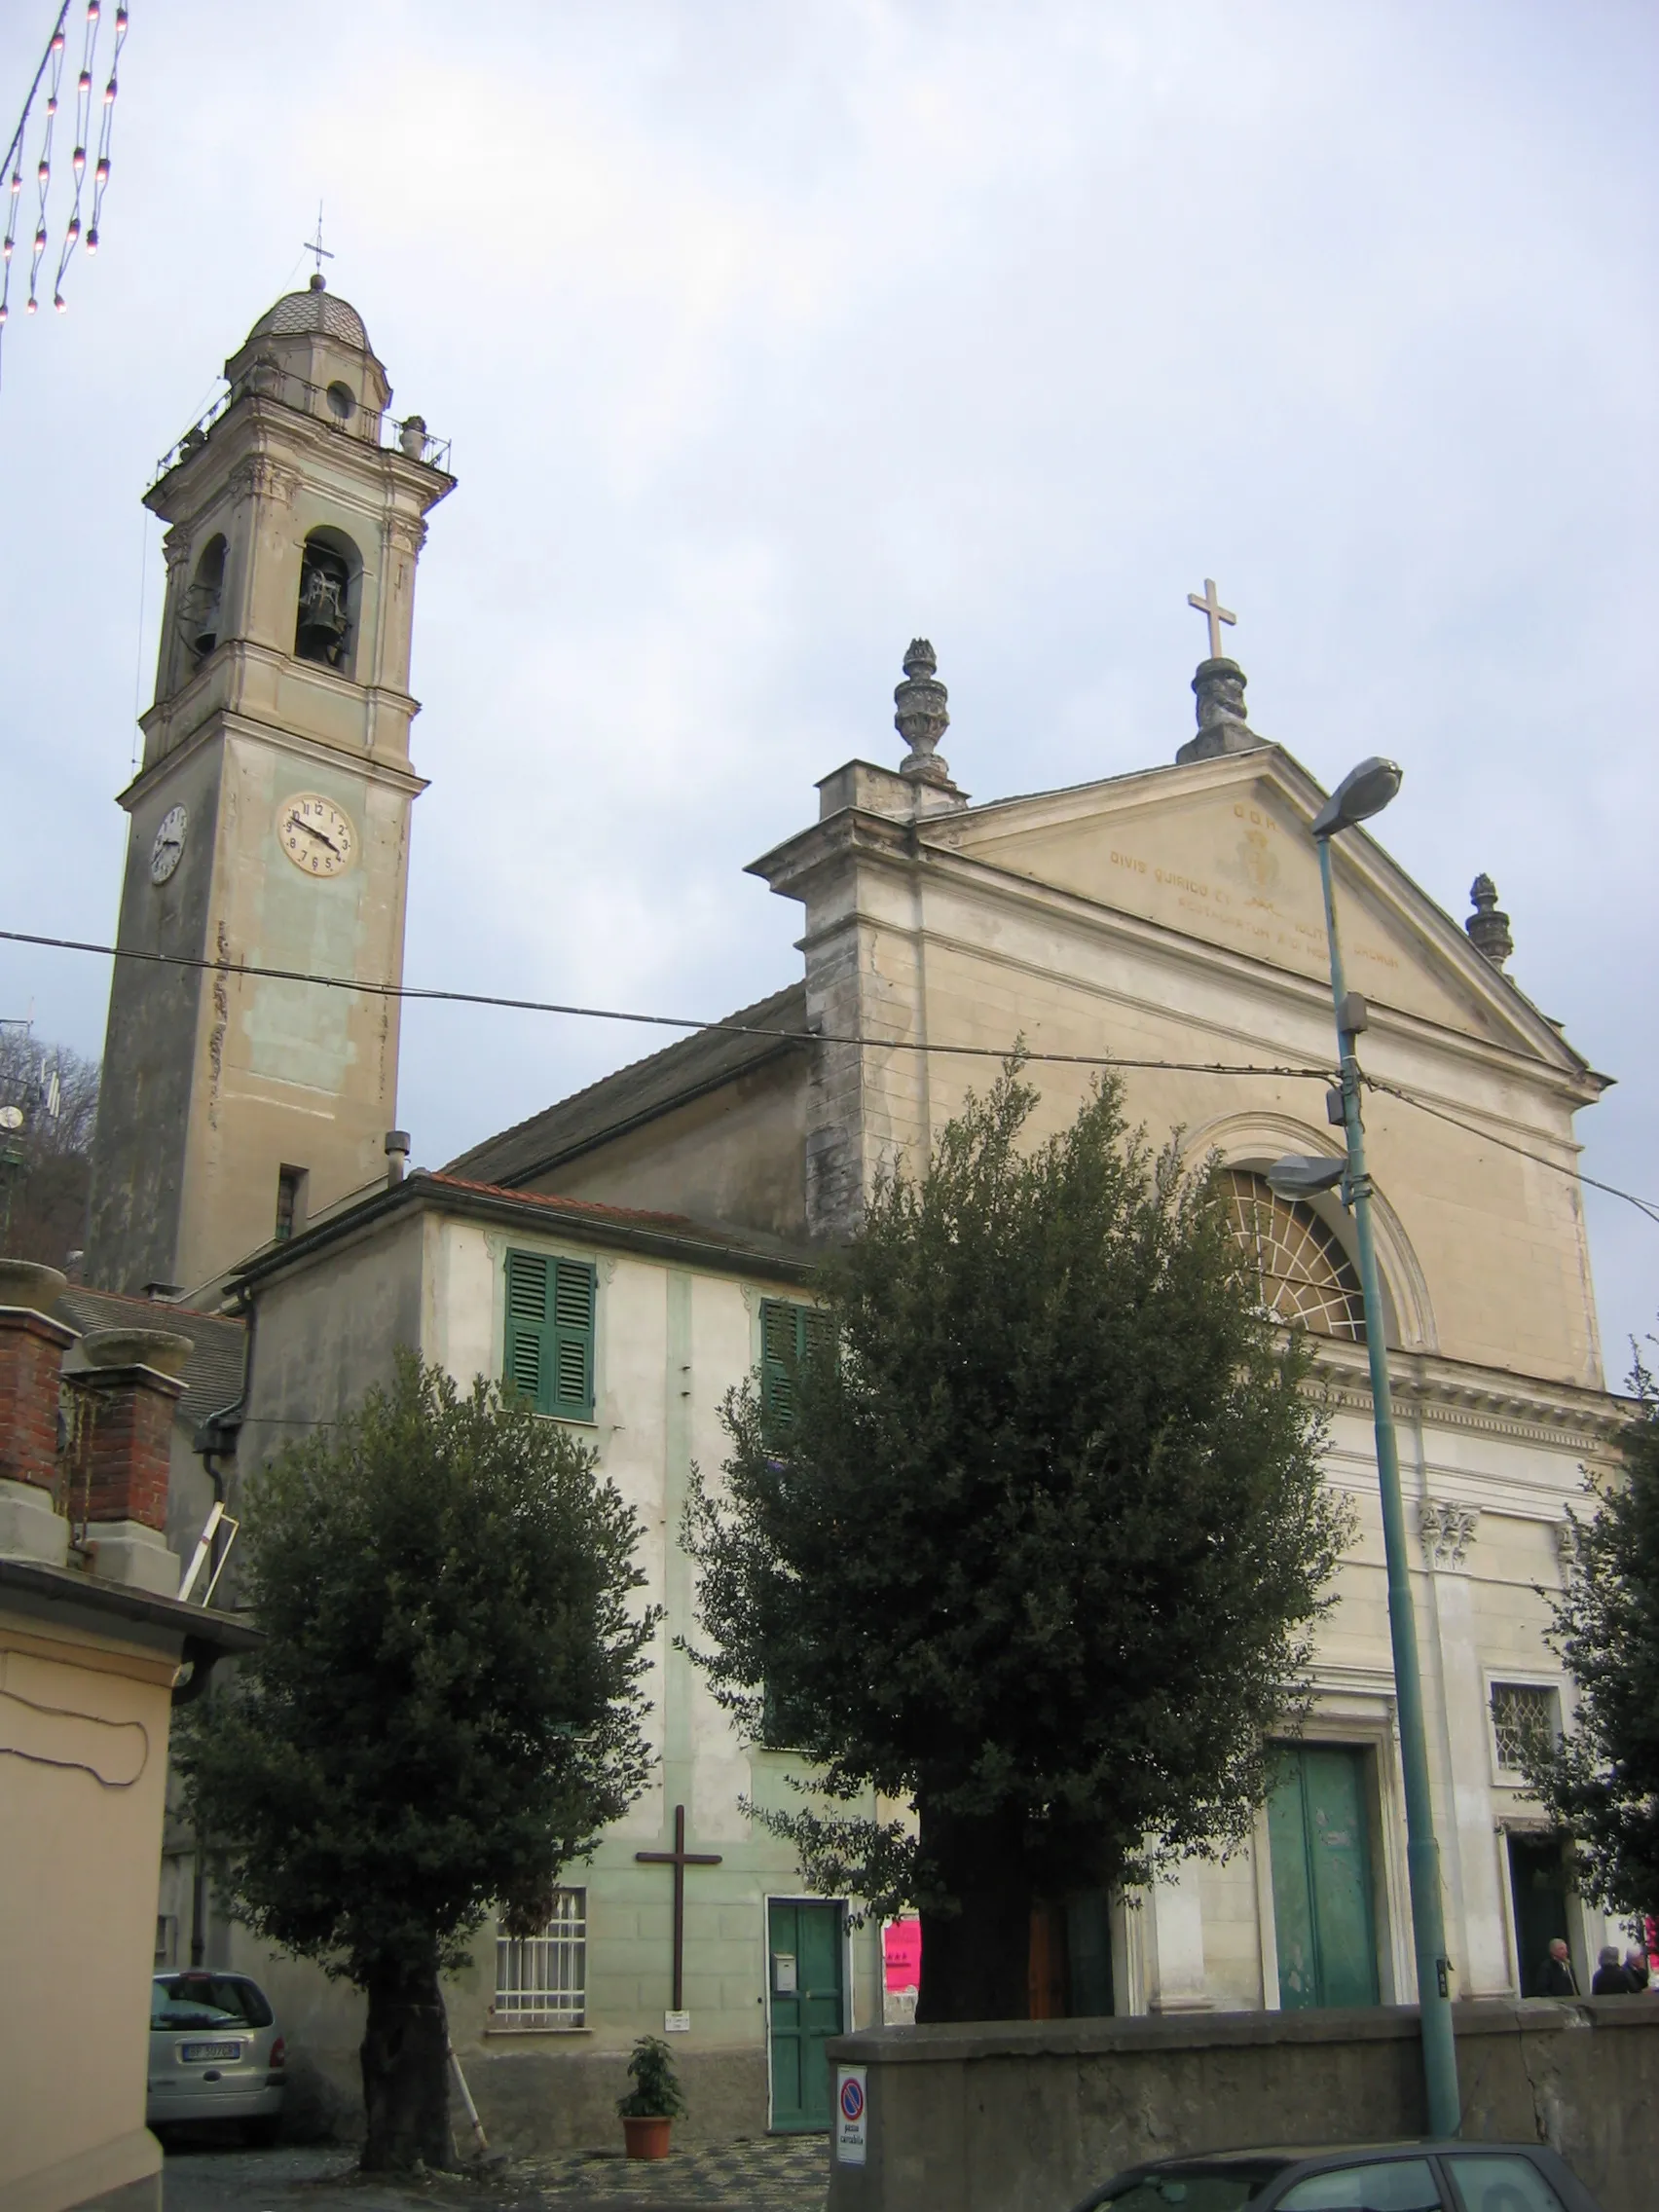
(28,1284)
(31,1320)
(164,1351)
(927,2045)
(201,1625)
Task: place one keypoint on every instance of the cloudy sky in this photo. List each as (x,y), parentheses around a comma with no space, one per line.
(769,335)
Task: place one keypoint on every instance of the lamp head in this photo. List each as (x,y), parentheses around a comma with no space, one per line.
(1298,1176)
(1363,792)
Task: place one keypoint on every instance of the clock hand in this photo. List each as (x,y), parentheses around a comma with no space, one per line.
(294,823)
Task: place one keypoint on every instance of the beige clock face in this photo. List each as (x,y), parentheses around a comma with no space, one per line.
(316,834)
(168,848)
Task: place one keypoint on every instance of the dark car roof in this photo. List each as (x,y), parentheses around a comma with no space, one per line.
(1284,2158)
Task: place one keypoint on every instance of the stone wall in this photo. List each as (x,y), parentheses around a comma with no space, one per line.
(1027,2116)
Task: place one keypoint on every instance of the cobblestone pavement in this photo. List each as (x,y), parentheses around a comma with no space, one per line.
(783,2173)
(789,2173)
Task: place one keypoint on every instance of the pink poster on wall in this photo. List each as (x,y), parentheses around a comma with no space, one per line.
(901,1955)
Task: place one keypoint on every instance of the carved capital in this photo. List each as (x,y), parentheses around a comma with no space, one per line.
(406,533)
(1448,1532)
(175,548)
(260,478)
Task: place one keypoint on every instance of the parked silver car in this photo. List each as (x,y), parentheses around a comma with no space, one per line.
(215,2052)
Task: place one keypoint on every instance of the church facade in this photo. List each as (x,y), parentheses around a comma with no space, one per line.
(633,1252)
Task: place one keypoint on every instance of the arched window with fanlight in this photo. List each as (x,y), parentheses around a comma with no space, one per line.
(326,619)
(1308,1278)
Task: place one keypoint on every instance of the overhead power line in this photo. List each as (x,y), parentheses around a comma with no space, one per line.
(414,991)
(1507,1144)
(1292,1071)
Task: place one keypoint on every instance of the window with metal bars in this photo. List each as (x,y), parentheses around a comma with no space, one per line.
(550,1332)
(1306,1274)
(542,1981)
(1524,1716)
(788,1333)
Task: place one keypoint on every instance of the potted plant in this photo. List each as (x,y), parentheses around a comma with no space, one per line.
(654,2103)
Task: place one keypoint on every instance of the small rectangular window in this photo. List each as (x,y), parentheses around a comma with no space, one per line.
(542,1981)
(290,1203)
(789,1332)
(548,1353)
(1524,1716)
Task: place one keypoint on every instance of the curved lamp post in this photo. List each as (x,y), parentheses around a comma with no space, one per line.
(1361,793)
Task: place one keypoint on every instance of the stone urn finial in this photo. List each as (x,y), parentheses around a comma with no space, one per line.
(1488,927)
(923,716)
(1217,688)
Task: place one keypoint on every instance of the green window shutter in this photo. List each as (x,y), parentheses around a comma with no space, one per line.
(527,1348)
(788,1334)
(572,1340)
(778,1352)
(549,1333)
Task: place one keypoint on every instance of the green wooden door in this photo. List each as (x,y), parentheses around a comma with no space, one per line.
(1538,1880)
(1321,1866)
(804,1966)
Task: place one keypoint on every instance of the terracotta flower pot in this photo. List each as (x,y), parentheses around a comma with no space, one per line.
(647,2138)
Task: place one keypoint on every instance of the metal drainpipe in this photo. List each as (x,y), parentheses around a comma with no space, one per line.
(199,1870)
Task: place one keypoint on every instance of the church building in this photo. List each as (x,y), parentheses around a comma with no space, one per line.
(628,1255)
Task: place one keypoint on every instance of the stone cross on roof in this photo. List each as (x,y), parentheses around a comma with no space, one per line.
(1214,612)
(322,253)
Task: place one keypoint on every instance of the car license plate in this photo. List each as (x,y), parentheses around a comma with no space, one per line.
(204,2053)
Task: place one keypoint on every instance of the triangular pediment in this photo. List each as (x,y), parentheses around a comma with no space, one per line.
(1220,851)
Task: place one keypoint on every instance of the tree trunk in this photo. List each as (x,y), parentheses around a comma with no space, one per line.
(975,1962)
(405,2061)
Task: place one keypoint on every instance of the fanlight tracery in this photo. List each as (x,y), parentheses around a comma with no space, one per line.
(1307,1277)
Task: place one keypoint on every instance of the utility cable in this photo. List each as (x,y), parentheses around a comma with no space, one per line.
(416,992)
(411,991)
(1507,1144)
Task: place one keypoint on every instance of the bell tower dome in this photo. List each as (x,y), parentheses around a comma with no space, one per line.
(269,818)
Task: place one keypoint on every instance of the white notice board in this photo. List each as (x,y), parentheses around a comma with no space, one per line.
(850,2116)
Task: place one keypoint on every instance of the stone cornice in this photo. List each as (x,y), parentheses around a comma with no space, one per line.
(1447,1393)
(858,836)
(224,723)
(264,431)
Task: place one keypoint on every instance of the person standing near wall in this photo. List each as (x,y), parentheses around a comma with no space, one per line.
(1611,1979)
(1557,1978)
(1637,1966)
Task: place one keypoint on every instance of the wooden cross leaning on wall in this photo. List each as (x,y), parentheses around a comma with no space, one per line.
(678,1858)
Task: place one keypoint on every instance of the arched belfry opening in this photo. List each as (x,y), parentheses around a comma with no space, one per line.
(326,619)
(1308,1277)
(200,613)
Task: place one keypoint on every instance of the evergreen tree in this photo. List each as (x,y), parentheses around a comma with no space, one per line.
(1601,1781)
(1040,1549)
(445,1711)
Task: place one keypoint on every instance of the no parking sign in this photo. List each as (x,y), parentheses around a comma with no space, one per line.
(850,2116)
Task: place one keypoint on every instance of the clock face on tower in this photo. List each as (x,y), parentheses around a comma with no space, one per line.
(316,836)
(168,848)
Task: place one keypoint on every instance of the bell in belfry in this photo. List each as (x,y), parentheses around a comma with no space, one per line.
(324,615)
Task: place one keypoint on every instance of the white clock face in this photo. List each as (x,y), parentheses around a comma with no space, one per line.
(168,848)
(316,834)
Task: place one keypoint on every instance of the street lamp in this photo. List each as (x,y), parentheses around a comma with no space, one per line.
(1361,793)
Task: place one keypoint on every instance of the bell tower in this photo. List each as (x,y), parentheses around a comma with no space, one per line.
(270,819)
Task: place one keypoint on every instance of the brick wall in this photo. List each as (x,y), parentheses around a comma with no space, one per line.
(123,1445)
(31,1353)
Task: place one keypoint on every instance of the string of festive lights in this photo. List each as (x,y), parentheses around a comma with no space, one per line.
(1291,1071)
(106,129)
(50,75)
